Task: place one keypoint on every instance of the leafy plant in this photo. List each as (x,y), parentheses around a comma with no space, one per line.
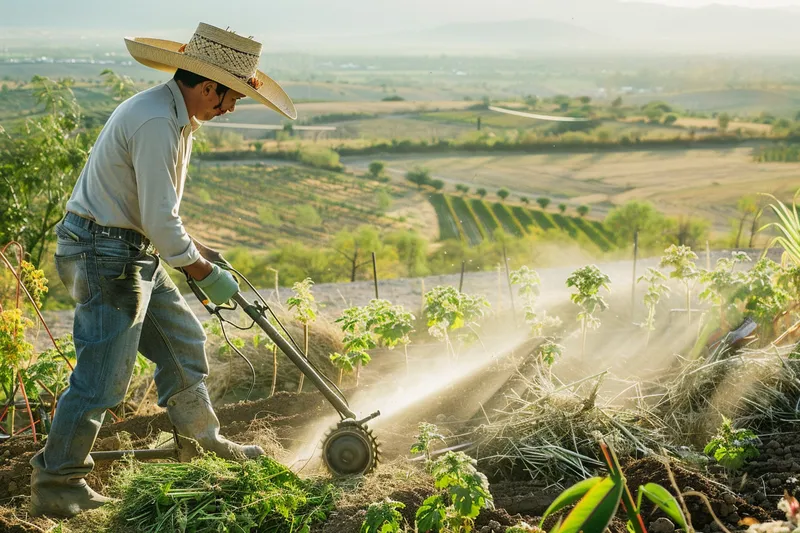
(391,324)
(596,501)
(447,309)
(764,298)
(656,289)
(428,434)
(358,338)
(383,517)
(732,447)
(302,303)
(529,289)
(549,352)
(468,492)
(723,287)
(588,281)
(788,226)
(682,261)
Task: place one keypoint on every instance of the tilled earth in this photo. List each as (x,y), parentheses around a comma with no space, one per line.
(283,418)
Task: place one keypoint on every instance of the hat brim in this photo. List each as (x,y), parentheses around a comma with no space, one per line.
(163,55)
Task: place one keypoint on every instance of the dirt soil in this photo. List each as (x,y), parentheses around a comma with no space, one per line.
(279,422)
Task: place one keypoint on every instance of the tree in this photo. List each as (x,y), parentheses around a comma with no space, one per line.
(463,189)
(437,184)
(635,216)
(39,164)
(419,176)
(617,103)
(543,202)
(481,192)
(376,168)
(121,87)
(724,121)
(689,231)
(357,246)
(503,194)
(670,119)
(653,114)
(562,208)
(583,210)
(524,199)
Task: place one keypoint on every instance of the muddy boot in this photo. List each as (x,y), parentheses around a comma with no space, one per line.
(193,417)
(62,496)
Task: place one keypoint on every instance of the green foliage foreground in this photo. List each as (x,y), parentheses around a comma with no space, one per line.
(211,494)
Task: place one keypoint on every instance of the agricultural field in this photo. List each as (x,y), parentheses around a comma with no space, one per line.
(705,182)
(260,206)
(509,404)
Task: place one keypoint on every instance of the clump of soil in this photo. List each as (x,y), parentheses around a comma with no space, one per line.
(727,505)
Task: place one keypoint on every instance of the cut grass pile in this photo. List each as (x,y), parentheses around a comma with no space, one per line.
(212,494)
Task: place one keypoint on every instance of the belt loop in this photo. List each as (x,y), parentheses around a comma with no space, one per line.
(106,231)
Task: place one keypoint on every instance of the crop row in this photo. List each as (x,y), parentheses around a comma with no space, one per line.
(474,220)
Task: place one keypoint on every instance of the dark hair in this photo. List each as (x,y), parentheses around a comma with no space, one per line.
(190,79)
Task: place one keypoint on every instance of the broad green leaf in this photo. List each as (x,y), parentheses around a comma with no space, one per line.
(595,510)
(570,496)
(431,515)
(666,502)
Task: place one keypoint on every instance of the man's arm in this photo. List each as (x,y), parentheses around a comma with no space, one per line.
(154,154)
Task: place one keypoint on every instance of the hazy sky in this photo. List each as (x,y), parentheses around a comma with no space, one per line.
(744,3)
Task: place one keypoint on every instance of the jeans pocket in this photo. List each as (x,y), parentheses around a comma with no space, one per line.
(115,249)
(74,275)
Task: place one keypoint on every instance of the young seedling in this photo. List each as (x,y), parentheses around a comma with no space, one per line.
(391,324)
(260,340)
(447,309)
(723,288)
(732,447)
(358,338)
(529,289)
(468,489)
(549,352)
(596,501)
(383,517)
(656,289)
(682,261)
(588,281)
(428,434)
(302,303)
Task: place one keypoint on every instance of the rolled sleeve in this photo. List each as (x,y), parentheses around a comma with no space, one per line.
(154,152)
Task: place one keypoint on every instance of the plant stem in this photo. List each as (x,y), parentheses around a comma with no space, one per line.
(305,354)
(583,334)
(274,369)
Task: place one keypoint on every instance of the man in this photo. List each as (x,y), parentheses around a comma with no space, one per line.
(121,223)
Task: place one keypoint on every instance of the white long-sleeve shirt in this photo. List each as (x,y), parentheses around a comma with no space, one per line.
(136,171)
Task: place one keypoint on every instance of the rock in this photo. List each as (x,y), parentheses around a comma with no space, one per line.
(773,444)
(794,468)
(725,509)
(12,488)
(729,498)
(494,524)
(661,525)
(775,482)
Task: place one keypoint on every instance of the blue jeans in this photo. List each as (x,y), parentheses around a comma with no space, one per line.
(125,302)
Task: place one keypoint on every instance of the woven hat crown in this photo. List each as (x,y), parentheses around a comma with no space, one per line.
(234,53)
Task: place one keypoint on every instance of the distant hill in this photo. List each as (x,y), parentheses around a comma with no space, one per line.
(514,34)
(423,25)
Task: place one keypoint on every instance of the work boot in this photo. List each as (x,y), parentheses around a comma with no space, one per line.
(62,496)
(193,417)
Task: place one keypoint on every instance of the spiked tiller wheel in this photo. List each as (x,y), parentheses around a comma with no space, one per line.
(350,450)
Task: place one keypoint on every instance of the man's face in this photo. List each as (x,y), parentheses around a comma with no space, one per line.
(215,105)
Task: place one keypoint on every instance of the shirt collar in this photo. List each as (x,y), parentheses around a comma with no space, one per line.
(180,105)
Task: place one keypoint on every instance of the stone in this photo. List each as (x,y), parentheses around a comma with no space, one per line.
(661,525)
(775,482)
(729,498)
(12,488)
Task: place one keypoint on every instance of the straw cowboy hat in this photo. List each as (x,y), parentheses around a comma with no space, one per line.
(218,55)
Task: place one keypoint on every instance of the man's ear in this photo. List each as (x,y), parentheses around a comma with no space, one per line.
(208,87)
